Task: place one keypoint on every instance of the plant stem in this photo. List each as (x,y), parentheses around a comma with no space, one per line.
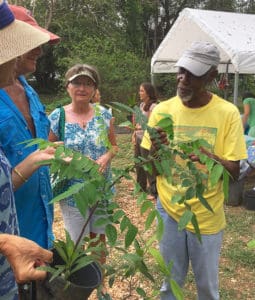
(85,225)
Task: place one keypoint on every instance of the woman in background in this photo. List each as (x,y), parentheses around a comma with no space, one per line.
(97,97)
(248,117)
(83,132)
(147,94)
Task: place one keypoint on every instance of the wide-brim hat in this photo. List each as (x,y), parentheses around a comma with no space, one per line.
(25,15)
(17,37)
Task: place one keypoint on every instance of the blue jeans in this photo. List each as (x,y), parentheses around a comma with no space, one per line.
(182,247)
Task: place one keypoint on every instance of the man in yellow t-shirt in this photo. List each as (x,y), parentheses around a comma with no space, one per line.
(197,113)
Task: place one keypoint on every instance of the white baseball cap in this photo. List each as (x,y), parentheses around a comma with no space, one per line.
(199,58)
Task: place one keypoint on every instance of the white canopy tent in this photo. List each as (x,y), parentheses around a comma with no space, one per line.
(233,33)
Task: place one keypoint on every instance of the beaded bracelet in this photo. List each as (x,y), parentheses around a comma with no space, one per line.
(20,175)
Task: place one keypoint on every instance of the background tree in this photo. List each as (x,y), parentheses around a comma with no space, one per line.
(119,37)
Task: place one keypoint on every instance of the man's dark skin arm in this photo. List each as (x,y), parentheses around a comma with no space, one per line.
(233,167)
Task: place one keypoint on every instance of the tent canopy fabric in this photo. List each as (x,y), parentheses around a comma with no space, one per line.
(232,33)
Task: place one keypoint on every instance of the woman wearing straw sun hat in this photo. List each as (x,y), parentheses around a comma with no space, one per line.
(26,38)
(23,117)
(16,38)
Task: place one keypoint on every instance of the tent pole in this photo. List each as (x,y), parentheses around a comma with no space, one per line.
(236,88)
(152,78)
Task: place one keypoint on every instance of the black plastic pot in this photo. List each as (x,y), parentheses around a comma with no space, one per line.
(82,284)
(249,199)
(235,196)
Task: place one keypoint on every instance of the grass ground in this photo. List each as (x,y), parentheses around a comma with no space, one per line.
(237,264)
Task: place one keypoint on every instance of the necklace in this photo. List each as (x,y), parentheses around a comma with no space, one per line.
(84,124)
(82,118)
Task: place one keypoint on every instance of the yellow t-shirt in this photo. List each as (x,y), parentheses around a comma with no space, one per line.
(219,123)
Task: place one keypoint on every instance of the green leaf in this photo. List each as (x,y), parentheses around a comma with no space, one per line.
(159,227)
(141,292)
(130,235)
(69,244)
(190,193)
(111,281)
(205,203)
(196,227)
(61,250)
(160,261)
(146,205)
(177,198)
(125,222)
(81,263)
(144,270)
(185,219)
(177,291)
(57,272)
(46,269)
(226,184)
(216,174)
(209,163)
(111,234)
(187,182)
(102,221)
(126,124)
(150,218)
(165,123)
(71,191)
(138,249)
(123,107)
(251,244)
(118,215)
(131,258)
(81,204)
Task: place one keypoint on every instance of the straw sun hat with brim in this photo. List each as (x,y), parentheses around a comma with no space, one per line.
(17,37)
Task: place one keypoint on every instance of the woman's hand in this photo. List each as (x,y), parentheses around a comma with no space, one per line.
(103,161)
(41,155)
(30,164)
(24,256)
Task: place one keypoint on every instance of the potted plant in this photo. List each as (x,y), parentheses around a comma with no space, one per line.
(72,275)
(133,250)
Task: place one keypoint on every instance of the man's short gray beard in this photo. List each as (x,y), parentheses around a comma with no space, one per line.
(186,98)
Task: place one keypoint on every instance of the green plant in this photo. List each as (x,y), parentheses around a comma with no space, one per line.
(92,187)
(72,255)
(251,244)
(131,101)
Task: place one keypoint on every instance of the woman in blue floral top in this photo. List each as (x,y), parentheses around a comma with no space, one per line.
(87,128)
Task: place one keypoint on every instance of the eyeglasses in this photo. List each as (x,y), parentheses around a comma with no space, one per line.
(86,83)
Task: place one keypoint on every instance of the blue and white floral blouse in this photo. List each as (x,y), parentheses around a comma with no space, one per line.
(90,141)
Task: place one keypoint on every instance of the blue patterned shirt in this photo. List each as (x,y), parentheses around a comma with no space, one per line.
(8,224)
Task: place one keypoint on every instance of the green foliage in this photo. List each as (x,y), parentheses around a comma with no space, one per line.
(118,37)
(251,244)
(73,257)
(193,180)
(92,190)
